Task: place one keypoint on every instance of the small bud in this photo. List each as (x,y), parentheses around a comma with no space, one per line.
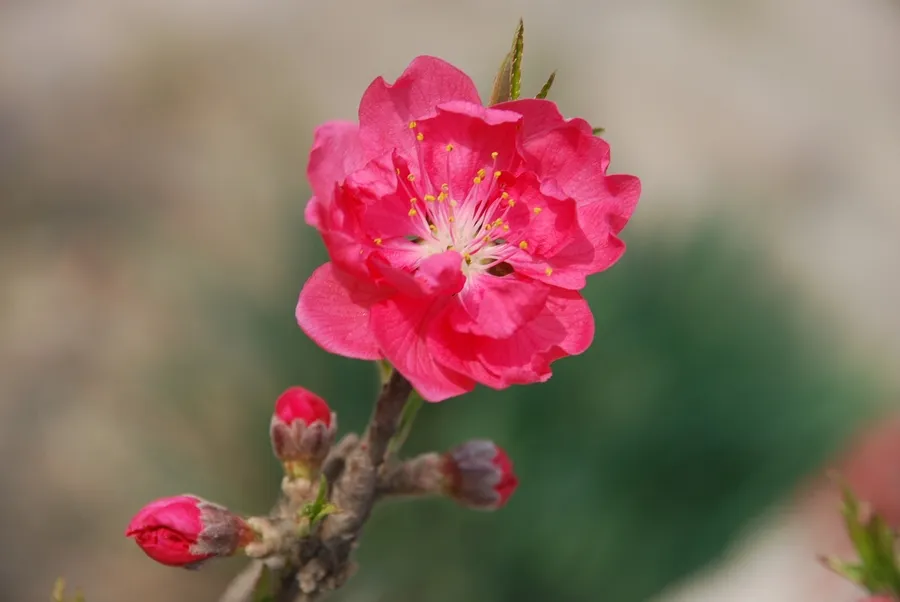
(302,431)
(185,530)
(478,474)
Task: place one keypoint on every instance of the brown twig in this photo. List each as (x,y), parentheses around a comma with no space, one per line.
(320,562)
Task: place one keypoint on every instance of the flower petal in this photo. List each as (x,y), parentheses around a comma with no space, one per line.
(495,306)
(335,154)
(575,161)
(333,310)
(386,110)
(540,115)
(401,325)
(564,327)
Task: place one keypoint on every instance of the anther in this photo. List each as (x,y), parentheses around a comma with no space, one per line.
(537,210)
(523,245)
(412,125)
(412,212)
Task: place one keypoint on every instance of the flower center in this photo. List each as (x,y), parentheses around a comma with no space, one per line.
(474,221)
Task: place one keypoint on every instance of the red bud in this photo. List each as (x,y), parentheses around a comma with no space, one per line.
(479,474)
(302,430)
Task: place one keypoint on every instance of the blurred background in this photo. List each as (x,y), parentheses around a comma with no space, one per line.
(152,246)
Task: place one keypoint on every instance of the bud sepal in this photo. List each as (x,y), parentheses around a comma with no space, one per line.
(478,474)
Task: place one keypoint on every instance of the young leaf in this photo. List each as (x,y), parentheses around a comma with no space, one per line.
(546,89)
(598,131)
(503,83)
(515,80)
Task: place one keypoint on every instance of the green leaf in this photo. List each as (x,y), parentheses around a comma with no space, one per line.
(545,90)
(264,590)
(515,80)
(385,369)
(598,131)
(413,404)
(509,78)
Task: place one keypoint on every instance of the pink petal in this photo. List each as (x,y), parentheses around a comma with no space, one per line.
(386,110)
(474,133)
(495,306)
(335,154)
(438,275)
(401,325)
(564,327)
(576,162)
(602,219)
(540,116)
(333,310)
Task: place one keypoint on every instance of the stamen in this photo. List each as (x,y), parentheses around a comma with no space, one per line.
(412,125)
(420,136)
(411,177)
(548,271)
(537,210)
(523,245)
(378,241)
(494,155)
(449,147)
(429,198)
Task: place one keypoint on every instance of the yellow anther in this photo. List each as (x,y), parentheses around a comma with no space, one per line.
(449,147)
(512,202)
(506,227)
(398,171)
(488,227)
(486,238)
(504,195)
(496,174)
(481,173)
(477,180)
(420,136)
(537,210)
(377,241)
(445,187)
(548,271)
(411,177)
(467,257)
(498,222)
(494,155)
(451,219)
(412,124)
(453,203)
(432,227)
(523,245)
(429,198)
(413,201)
(412,213)
(442,197)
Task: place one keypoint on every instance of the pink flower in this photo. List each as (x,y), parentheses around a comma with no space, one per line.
(302,430)
(185,530)
(479,474)
(459,235)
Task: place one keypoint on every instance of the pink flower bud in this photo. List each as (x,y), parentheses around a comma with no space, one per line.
(302,431)
(185,530)
(478,474)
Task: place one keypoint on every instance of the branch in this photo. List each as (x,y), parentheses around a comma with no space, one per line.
(320,562)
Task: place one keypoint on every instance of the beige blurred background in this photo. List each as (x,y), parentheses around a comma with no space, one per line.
(147,149)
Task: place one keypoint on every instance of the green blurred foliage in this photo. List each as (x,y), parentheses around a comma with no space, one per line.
(705,397)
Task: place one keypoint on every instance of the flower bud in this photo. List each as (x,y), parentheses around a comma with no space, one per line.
(478,474)
(302,431)
(185,530)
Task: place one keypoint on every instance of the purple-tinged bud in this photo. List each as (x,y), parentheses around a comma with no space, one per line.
(478,474)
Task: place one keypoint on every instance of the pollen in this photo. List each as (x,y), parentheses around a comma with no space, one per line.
(498,222)
(477,180)
(420,136)
(449,147)
(451,219)
(467,257)
(412,125)
(453,203)
(398,171)
(506,227)
(378,241)
(481,173)
(512,202)
(413,201)
(497,174)
(445,187)
(548,271)
(432,227)
(504,195)
(494,155)
(411,177)
(442,197)
(412,213)
(429,198)
(537,210)
(523,244)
